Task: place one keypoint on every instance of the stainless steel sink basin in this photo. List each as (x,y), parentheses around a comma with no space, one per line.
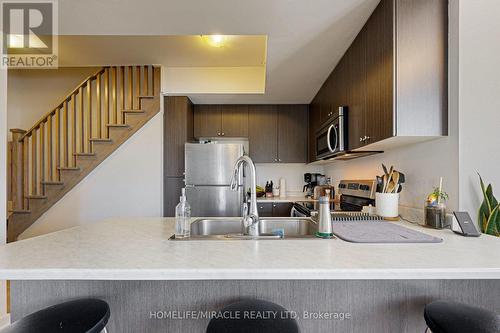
(273,228)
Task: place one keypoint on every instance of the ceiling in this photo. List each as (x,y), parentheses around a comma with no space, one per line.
(305,39)
(172,51)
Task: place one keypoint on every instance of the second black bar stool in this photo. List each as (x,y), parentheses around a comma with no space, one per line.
(79,316)
(280,323)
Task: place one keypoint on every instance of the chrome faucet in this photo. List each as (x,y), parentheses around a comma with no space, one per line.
(250,222)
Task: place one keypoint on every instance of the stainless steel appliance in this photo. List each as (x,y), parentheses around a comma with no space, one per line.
(311,180)
(208,172)
(354,194)
(331,139)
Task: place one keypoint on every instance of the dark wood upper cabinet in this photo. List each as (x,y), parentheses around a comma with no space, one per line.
(379,41)
(396,68)
(234,120)
(207,120)
(292,133)
(314,124)
(262,133)
(178,129)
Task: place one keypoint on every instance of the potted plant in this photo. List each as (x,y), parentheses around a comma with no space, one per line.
(435,207)
(489,215)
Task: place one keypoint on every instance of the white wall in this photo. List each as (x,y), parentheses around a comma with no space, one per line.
(292,172)
(33,93)
(479,100)
(128,183)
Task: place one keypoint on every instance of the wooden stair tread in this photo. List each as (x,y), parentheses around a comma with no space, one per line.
(101,140)
(20,211)
(118,125)
(133,111)
(52,183)
(84,154)
(36,196)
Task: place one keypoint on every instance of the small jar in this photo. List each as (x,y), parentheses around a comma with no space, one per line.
(435,216)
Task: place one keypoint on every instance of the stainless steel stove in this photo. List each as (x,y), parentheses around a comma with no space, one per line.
(354,194)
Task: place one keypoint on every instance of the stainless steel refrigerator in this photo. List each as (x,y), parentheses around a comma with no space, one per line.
(209,168)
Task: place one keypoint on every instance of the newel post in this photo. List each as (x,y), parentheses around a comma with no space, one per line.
(17,169)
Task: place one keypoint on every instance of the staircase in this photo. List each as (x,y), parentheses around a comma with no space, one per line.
(65,145)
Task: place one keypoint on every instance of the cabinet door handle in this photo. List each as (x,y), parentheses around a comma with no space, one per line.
(279,159)
(223,134)
(275,160)
(218,133)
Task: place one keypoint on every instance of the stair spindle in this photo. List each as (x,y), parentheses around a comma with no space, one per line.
(42,156)
(73,128)
(25,172)
(81,121)
(49,149)
(146,80)
(34,163)
(130,88)
(98,107)
(137,86)
(122,74)
(89,116)
(65,138)
(57,140)
(104,132)
(114,89)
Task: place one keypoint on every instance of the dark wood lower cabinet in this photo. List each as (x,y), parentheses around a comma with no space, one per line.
(171,194)
(265,209)
(282,209)
(274,209)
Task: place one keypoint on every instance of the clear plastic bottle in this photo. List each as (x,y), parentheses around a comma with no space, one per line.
(182,217)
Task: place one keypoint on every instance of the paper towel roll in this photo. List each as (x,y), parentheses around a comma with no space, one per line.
(282,187)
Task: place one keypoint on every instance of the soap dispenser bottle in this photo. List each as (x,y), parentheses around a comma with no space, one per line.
(324,218)
(182,217)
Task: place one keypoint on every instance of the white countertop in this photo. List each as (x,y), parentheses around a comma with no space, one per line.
(139,249)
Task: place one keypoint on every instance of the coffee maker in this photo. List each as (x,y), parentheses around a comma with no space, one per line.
(311,180)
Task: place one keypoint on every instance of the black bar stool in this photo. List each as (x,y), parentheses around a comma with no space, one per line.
(454,317)
(253,316)
(80,316)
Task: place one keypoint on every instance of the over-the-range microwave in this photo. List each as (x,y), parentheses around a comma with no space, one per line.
(331,139)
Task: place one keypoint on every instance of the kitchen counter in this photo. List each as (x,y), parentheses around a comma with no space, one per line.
(139,249)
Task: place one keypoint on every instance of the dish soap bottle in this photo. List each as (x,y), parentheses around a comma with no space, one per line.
(324,219)
(182,217)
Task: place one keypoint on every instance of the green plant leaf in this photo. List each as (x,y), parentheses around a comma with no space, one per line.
(482,217)
(491,225)
(491,198)
(486,198)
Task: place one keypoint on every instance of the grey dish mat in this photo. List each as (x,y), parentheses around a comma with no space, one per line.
(379,232)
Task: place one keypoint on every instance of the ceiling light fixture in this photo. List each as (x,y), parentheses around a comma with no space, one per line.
(215,40)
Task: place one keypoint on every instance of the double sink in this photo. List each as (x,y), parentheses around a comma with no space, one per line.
(271,228)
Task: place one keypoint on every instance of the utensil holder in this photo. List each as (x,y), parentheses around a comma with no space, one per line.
(387,204)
